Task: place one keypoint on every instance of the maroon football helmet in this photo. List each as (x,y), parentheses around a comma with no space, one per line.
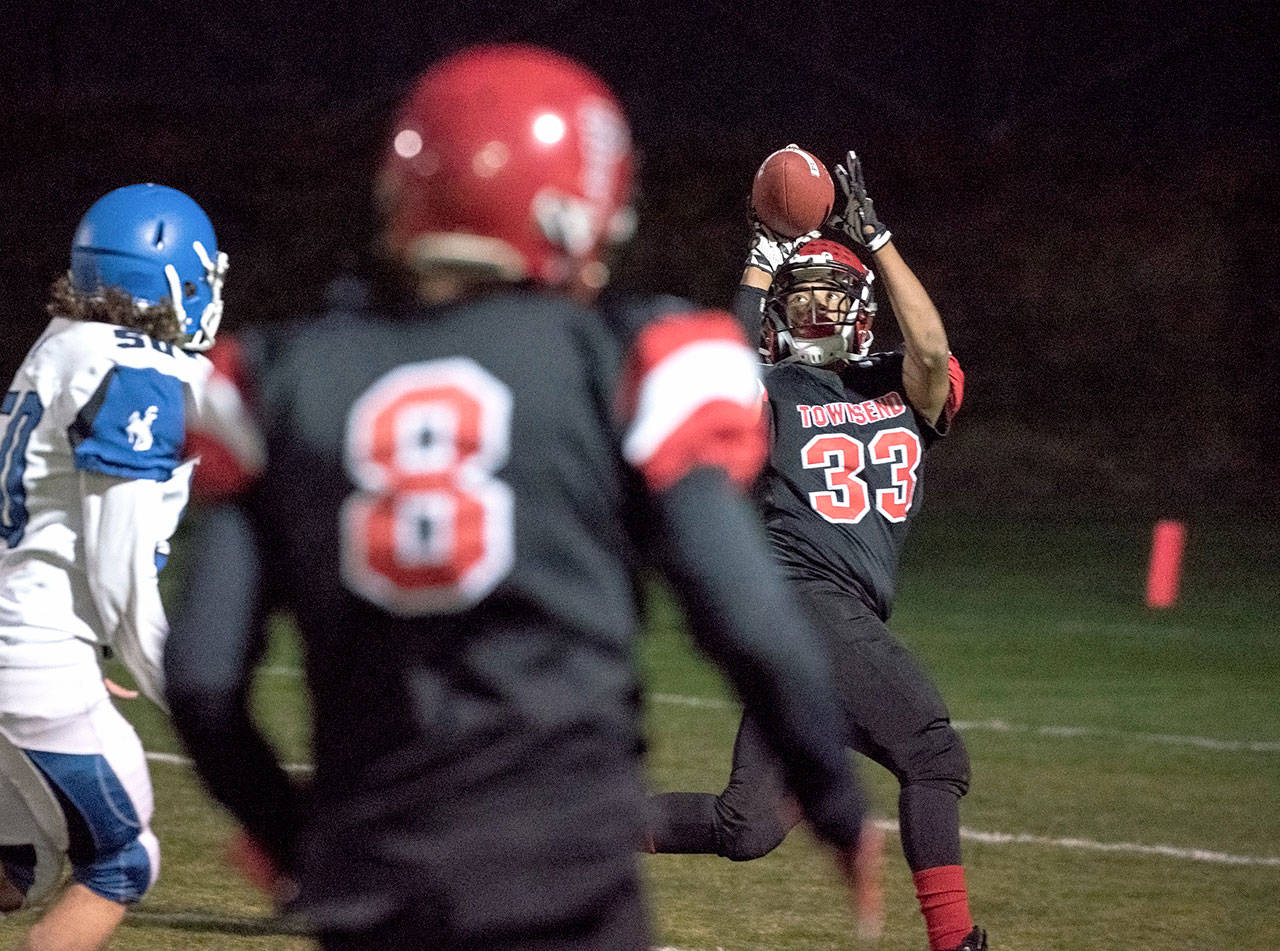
(509,159)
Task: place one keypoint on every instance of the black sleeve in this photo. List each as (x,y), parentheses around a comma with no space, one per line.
(748,307)
(744,619)
(216,638)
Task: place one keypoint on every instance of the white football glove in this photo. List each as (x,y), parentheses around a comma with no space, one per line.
(769,250)
(858,220)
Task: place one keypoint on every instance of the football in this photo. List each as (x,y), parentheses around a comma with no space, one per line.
(792,192)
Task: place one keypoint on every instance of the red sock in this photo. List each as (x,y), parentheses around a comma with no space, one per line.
(944,901)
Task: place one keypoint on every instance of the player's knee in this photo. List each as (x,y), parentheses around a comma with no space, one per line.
(741,838)
(939,759)
(748,844)
(122,872)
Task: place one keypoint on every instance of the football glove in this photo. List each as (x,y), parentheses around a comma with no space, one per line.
(858,220)
(769,250)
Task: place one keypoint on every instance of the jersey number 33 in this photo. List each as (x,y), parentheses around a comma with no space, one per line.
(843,459)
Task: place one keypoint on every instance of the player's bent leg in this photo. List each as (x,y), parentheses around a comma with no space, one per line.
(748,820)
(682,823)
(98,771)
(94,767)
(897,718)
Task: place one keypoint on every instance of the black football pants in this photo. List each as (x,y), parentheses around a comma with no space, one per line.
(894,715)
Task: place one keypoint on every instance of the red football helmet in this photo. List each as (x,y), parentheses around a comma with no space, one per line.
(511,159)
(820,307)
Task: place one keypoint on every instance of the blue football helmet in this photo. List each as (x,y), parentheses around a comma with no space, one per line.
(154,243)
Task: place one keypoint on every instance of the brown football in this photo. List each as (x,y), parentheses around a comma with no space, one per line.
(792,192)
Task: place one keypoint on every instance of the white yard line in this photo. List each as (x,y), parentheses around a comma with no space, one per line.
(998,726)
(174,759)
(1092,845)
(1001,726)
(1201,742)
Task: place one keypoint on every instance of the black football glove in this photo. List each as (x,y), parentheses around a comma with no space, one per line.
(858,220)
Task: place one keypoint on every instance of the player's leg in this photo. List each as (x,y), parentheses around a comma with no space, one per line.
(80,920)
(899,719)
(94,768)
(749,819)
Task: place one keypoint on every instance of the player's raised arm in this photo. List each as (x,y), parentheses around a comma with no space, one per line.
(926,364)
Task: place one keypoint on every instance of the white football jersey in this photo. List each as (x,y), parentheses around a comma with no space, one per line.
(93,405)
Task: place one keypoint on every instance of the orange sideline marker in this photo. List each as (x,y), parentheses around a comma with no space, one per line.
(1167,542)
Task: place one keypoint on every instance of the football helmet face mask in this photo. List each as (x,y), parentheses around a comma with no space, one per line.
(157,245)
(820,307)
(510,160)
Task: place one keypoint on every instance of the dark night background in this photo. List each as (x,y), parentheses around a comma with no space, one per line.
(1089,191)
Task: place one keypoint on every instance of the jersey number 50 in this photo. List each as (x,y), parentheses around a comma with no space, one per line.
(24,412)
(430,530)
(843,458)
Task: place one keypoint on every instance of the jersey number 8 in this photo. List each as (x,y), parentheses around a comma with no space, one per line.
(429,529)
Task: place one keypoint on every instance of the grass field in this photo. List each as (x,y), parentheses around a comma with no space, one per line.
(1126,764)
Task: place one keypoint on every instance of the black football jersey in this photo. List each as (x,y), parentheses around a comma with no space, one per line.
(845,472)
(453,493)
(417,520)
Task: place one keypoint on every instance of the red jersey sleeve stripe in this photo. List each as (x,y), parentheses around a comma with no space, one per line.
(723,434)
(693,395)
(660,340)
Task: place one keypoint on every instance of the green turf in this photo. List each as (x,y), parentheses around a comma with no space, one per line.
(1036,626)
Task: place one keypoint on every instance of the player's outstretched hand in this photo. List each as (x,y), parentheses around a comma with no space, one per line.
(862,869)
(858,220)
(769,250)
(246,856)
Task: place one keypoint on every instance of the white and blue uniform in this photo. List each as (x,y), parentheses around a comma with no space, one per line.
(92,484)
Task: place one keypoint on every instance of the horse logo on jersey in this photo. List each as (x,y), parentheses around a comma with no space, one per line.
(139,429)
